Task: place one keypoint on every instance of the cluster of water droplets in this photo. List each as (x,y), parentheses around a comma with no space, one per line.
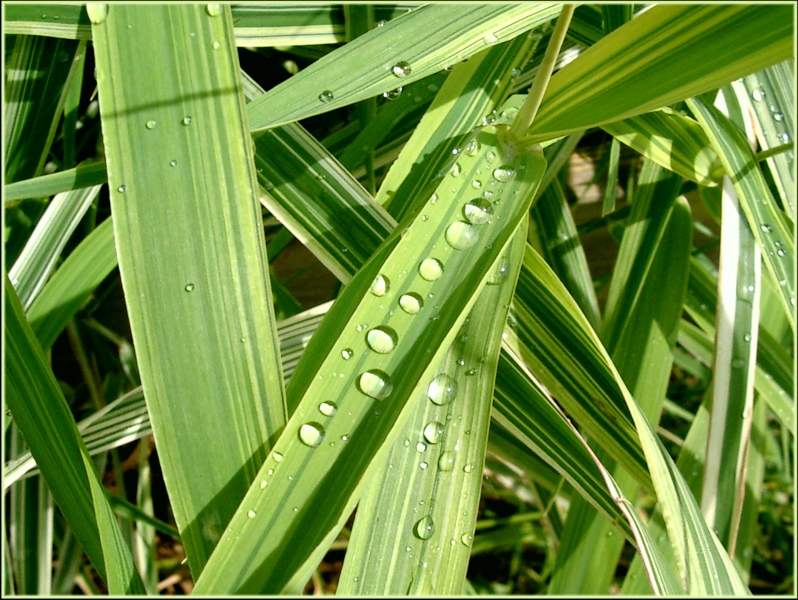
(760,96)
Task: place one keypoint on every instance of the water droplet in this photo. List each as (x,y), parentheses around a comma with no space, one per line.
(477,211)
(423,465)
(442,389)
(380,285)
(263,484)
(785,138)
(461,235)
(381,23)
(455,170)
(187,120)
(189,287)
(515,72)
(411,303)
(382,339)
(328,409)
(468,468)
(424,528)
(277,457)
(777,116)
(433,432)
(242,339)
(500,272)
(780,252)
(375,383)
(97,12)
(344,437)
(326,96)
(767,228)
(406,443)
(758,94)
(401,69)
(476,184)
(213,10)
(490,156)
(504,173)
(151,124)
(490,38)
(172,163)
(473,148)
(216,45)
(251,514)
(446,461)
(420,447)
(347,353)
(393,94)
(466,539)
(311,434)
(747,337)
(433,199)
(430,269)
(121,189)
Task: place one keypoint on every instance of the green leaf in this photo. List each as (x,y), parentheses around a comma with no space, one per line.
(407,48)
(191,254)
(666,54)
(84,175)
(43,417)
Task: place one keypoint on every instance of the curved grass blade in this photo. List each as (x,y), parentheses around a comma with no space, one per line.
(43,417)
(768,223)
(372,335)
(191,253)
(37,259)
(415,522)
(671,140)
(666,54)
(406,49)
(84,175)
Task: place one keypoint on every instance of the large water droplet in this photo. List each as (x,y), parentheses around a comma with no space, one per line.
(430,269)
(375,383)
(477,211)
(380,285)
(442,389)
(213,10)
(97,12)
(504,173)
(411,303)
(311,434)
(401,69)
(326,96)
(382,339)
(466,539)
(433,432)
(446,461)
(461,235)
(424,528)
(500,271)
(328,409)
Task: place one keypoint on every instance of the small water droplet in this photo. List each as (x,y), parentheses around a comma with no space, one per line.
(382,339)
(344,437)
(460,235)
(172,163)
(277,457)
(393,94)
(477,211)
(777,116)
(767,228)
(423,465)
(187,121)
(424,528)
(433,432)
(311,434)
(121,189)
(468,468)
(466,539)
(326,96)
(758,94)
(442,389)
(381,23)
(420,447)
(251,514)
(347,353)
(380,285)
(780,252)
(328,409)
(401,69)
(490,156)
(151,124)
(446,461)
(747,337)
(216,45)
(515,72)
(189,287)
(455,170)
(473,148)
(213,10)
(411,303)
(433,199)
(430,269)
(263,484)
(476,184)
(375,384)
(785,138)
(504,173)
(97,12)
(490,38)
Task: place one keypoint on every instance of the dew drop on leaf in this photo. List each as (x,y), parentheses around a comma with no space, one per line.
(328,409)
(375,384)
(347,353)
(424,528)
(380,285)
(504,173)
(446,461)
(460,235)
(97,12)
(430,269)
(442,389)
(326,96)
(477,211)
(433,432)
(411,303)
(214,10)
(382,339)
(401,69)
(311,434)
